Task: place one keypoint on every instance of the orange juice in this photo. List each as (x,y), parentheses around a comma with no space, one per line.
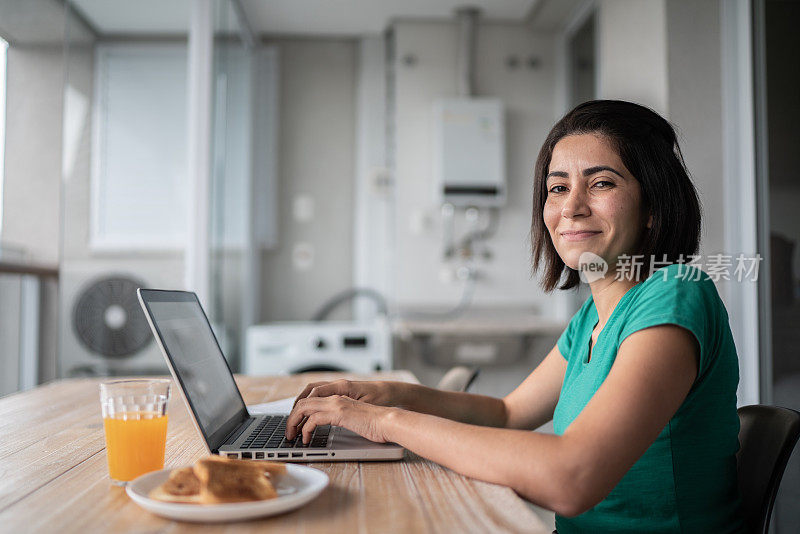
(135,443)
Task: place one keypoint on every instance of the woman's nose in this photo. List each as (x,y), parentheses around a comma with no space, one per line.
(575,205)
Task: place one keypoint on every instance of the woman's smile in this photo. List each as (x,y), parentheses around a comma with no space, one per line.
(579,235)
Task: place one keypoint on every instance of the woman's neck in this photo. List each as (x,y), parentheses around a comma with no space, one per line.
(606,293)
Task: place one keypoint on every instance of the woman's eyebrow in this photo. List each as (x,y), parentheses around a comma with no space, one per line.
(600,168)
(558,174)
(586,172)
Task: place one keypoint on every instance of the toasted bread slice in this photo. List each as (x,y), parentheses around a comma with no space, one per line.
(219,480)
(160,495)
(181,486)
(274,470)
(223,481)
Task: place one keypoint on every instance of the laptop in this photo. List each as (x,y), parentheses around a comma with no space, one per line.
(184,335)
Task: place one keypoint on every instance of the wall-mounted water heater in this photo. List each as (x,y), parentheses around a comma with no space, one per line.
(469,151)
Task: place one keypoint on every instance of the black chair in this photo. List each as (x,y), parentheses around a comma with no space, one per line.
(767,438)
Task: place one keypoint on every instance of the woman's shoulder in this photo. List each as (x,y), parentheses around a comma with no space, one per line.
(678,294)
(679,273)
(680,280)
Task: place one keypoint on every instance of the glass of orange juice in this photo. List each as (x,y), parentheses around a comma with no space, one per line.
(135,422)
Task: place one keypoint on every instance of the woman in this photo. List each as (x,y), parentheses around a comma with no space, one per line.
(641,386)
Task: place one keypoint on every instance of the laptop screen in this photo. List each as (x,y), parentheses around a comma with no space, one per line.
(197,362)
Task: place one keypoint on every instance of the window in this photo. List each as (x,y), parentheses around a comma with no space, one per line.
(139,147)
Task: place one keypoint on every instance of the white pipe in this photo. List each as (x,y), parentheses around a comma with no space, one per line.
(467,33)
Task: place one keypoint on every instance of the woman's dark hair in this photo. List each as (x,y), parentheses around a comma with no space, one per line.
(648,147)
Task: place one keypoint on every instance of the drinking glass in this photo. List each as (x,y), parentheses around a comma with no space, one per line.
(135,422)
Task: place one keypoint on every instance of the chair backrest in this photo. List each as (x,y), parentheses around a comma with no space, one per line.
(458,378)
(767,437)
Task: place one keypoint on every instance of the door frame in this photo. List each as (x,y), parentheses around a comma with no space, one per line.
(746,213)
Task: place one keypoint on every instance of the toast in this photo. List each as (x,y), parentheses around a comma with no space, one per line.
(226,482)
(274,470)
(215,480)
(181,486)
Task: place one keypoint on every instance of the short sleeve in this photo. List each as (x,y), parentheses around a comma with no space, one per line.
(683,296)
(567,338)
(564,342)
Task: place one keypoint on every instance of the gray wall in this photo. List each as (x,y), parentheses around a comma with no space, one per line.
(695,106)
(35,78)
(316,159)
(632,51)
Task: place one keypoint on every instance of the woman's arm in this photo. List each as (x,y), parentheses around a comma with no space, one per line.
(464,407)
(533,402)
(529,406)
(652,374)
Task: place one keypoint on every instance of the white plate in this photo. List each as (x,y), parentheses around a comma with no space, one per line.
(298,486)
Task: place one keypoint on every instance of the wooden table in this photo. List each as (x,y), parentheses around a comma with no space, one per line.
(54,476)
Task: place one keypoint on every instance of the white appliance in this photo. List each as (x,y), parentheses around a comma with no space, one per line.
(101,332)
(296,347)
(469,151)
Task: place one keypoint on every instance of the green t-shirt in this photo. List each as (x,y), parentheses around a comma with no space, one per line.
(686,480)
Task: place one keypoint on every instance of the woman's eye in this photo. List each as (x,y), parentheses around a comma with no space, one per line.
(603,184)
(557,189)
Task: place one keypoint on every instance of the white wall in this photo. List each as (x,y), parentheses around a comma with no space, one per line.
(373,254)
(316,161)
(528,95)
(632,51)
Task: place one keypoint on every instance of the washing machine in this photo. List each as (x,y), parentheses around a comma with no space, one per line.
(296,347)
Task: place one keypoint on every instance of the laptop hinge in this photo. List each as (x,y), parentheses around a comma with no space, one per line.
(233,436)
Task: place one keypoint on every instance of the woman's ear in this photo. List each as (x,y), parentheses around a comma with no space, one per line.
(650,221)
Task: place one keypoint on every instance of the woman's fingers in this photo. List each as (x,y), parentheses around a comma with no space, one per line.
(313,421)
(302,422)
(336,410)
(326,389)
(303,394)
(305,408)
(301,410)
(315,409)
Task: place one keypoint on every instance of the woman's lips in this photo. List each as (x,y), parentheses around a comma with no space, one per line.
(578,236)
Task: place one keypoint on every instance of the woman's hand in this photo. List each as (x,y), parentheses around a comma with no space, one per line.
(364,419)
(380,393)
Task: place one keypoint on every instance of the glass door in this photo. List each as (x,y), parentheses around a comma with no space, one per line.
(777,116)
(230,214)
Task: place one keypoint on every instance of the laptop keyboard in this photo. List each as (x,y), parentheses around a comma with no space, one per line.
(270,434)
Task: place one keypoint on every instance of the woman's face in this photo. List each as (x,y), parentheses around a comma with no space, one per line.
(593,202)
